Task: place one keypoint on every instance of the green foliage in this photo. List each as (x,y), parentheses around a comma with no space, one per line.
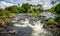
(4,14)
(40,10)
(30,10)
(52,10)
(51,21)
(36,14)
(58,19)
(13,9)
(25,7)
(57,9)
(35,10)
(45,23)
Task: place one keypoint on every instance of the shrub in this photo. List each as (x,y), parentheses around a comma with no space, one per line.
(57,9)
(51,21)
(36,15)
(45,23)
(57,19)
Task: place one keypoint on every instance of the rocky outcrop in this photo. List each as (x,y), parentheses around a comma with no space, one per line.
(54,27)
(2,23)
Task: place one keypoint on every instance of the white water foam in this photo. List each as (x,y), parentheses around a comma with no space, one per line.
(38,29)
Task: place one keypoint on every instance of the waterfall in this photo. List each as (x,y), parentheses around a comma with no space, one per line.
(36,26)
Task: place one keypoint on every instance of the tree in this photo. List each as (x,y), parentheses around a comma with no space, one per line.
(57,9)
(4,14)
(39,5)
(25,7)
(13,9)
(58,19)
(53,2)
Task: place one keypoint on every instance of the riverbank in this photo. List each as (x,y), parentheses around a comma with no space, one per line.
(29,25)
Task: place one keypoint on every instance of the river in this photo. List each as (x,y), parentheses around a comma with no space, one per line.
(28,26)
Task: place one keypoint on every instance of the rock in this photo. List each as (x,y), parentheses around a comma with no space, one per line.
(10,22)
(13,31)
(57,23)
(54,27)
(1,29)
(10,32)
(2,23)
(17,19)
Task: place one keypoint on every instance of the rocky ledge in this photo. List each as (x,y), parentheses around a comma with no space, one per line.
(54,27)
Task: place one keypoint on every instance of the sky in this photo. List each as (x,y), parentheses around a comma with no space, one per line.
(46,3)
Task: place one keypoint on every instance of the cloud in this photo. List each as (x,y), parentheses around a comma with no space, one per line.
(3,5)
(47,6)
(45,3)
(11,1)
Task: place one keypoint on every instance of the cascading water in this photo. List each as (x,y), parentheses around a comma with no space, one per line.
(31,27)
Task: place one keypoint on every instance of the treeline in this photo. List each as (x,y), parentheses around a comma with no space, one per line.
(27,8)
(55,9)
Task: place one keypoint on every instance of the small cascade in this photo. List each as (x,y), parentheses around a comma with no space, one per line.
(36,26)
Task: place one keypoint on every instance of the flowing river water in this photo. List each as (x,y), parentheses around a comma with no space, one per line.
(29,26)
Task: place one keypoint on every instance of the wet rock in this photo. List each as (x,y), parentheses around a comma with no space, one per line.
(54,27)
(2,23)
(10,32)
(17,19)
(1,29)
(9,22)
(57,24)
(13,31)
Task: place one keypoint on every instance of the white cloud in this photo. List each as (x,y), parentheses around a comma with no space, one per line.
(11,1)
(4,4)
(45,3)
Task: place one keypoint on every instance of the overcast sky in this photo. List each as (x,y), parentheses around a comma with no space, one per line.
(46,3)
